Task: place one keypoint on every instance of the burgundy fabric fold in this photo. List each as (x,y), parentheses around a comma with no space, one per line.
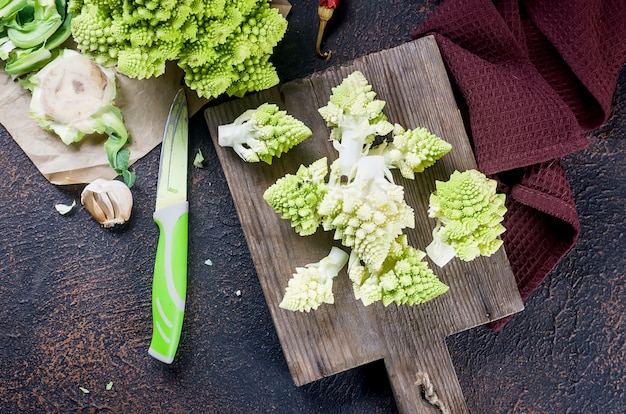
(535,76)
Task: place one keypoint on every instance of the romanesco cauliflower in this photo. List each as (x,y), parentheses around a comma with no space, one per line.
(312,285)
(412,151)
(356,117)
(263,133)
(360,202)
(223,46)
(368,212)
(403,279)
(296,197)
(469,213)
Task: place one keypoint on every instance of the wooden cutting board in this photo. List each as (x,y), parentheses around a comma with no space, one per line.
(412,80)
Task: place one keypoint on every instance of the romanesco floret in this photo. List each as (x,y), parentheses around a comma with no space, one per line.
(356,117)
(255,73)
(312,285)
(263,133)
(412,151)
(368,212)
(296,197)
(223,47)
(403,279)
(469,214)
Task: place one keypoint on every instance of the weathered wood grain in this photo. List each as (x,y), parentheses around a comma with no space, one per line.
(412,80)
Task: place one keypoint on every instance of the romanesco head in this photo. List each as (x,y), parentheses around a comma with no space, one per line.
(469,214)
(409,281)
(208,80)
(356,118)
(305,291)
(93,30)
(296,197)
(264,28)
(353,105)
(223,47)
(141,63)
(353,96)
(255,73)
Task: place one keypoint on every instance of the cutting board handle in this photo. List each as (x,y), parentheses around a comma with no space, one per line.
(423,377)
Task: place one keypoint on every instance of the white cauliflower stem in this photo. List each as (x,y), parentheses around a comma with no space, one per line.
(73,96)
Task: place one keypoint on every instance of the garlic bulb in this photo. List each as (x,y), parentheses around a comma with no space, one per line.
(109,201)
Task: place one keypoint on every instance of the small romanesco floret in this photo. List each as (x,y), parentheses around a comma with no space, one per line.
(312,285)
(72,96)
(263,133)
(412,150)
(403,279)
(296,197)
(368,212)
(356,117)
(222,46)
(469,214)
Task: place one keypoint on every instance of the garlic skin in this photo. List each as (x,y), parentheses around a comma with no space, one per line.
(109,201)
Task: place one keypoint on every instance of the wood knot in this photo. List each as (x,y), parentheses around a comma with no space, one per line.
(428,392)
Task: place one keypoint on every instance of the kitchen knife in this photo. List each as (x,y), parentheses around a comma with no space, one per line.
(171,216)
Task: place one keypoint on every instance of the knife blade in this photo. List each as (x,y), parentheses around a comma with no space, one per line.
(171,213)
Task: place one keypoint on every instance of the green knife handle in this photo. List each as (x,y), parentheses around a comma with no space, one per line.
(170,280)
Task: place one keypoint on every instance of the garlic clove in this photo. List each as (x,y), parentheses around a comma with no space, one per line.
(109,201)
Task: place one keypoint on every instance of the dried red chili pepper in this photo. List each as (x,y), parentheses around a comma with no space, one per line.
(325,11)
(331,4)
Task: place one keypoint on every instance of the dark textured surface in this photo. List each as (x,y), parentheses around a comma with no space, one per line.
(567,351)
(75,299)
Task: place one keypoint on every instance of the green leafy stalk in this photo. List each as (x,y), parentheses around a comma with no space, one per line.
(31,32)
(27,30)
(9,8)
(118,156)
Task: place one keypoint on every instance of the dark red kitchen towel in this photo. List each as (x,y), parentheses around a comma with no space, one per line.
(535,76)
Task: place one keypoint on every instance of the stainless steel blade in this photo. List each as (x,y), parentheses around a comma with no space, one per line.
(172,182)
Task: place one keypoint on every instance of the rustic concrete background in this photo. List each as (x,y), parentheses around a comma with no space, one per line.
(75,299)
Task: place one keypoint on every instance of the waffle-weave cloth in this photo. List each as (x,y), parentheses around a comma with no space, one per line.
(534,77)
